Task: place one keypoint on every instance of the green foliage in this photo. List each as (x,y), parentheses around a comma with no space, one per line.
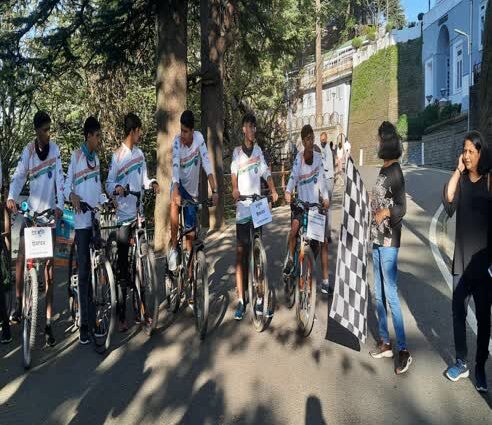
(370,80)
(357,43)
(402,126)
(433,114)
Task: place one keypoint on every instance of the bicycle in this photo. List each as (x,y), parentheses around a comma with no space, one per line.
(257,279)
(190,279)
(6,274)
(300,284)
(32,316)
(102,280)
(142,267)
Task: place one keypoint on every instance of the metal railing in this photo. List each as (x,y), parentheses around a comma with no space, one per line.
(327,120)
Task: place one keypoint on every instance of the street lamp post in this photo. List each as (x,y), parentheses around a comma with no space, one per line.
(469,41)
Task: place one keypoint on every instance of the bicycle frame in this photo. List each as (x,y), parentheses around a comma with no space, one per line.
(97,245)
(197,243)
(138,229)
(301,240)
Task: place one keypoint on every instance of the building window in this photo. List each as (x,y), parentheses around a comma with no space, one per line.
(458,66)
(481,23)
(339,92)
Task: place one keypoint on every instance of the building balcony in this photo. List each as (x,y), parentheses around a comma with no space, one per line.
(335,69)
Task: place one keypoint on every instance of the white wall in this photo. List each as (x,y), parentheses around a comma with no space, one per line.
(406,34)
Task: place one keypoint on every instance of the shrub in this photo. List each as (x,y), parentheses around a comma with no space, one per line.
(402,126)
(357,43)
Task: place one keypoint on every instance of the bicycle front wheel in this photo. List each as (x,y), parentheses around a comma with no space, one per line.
(289,281)
(7,278)
(149,299)
(104,298)
(259,291)
(72,285)
(306,293)
(201,294)
(31,315)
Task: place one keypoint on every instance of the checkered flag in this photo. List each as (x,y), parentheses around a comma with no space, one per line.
(349,307)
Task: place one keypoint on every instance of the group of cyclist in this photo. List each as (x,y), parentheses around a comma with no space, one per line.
(40,164)
(312,178)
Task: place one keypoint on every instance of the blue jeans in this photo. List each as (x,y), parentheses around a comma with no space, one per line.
(385,262)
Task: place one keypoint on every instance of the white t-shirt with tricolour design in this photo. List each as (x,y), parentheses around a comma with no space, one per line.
(249,171)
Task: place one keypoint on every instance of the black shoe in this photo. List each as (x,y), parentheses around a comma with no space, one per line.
(6,335)
(481,379)
(326,289)
(16,316)
(404,362)
(84,335)
(50,339)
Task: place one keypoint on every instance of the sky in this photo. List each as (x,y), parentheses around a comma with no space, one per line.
(414,7)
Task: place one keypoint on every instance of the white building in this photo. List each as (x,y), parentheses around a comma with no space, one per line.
(337,83)
(445,54)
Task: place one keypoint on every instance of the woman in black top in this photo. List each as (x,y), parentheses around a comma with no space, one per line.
(388,205)
(468,194)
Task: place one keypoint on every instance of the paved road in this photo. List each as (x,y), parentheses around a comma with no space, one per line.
(237,376)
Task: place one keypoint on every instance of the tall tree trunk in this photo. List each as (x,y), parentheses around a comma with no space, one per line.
(215,24)
(486,80)
(171,101)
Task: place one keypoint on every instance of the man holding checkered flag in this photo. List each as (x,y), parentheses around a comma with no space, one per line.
(388,207)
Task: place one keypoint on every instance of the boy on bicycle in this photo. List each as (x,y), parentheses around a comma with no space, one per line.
(40,163)
(128,167)
(83,183)
(307,178)
(247,168)
(189,154)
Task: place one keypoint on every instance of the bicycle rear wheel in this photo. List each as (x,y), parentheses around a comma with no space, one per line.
(201,294)
(149,299)
(258,288)
(31,315)
(173,287)
(104,298)
(6,276)
(306,293)
(73,285)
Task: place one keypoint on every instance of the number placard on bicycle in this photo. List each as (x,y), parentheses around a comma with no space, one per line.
(38,242)
(260,212)
(316,226)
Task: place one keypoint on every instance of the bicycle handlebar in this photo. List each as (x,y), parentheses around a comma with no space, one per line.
(24,209)
(127,192)
(189,202)
(307,205)
(255,197)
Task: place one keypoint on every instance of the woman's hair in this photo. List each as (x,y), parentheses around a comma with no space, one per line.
(481,146)
(389,142)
